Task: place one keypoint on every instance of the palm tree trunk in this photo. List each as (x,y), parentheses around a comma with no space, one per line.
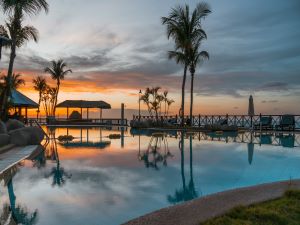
(7,92)
(191,159)
(165,107)
(182,160)
(55,103)
(182,95)
(192,99)
(40,97)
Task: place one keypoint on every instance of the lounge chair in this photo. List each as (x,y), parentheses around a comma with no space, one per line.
(287,141)
(221,125)
(265,139)
(173,122)
(223,122)
(264,124)
(287,122)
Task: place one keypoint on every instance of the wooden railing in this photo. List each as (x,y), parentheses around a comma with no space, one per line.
(202,120)
(104,121)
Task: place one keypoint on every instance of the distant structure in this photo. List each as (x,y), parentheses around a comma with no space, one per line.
(251,106)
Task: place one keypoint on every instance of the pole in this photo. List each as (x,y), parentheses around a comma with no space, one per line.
(26,115)
(140,92)
(122,114)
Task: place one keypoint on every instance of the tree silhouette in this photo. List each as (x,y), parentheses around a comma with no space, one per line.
(185,193)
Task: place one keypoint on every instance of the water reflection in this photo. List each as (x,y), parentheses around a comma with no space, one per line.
(82,141)
(187,192)
(14,213)
(58,173)
(154,167)
(157,151)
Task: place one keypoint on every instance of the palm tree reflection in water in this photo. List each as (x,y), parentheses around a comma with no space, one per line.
(186,193)
(58,173)
(12,213)
(157,151)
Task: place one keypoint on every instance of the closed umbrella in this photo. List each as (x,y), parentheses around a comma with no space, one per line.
(251,106)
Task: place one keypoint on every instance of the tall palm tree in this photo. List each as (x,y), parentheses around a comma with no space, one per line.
(196,58)
(19,34)
(58,72)
(40,85)
(185,28)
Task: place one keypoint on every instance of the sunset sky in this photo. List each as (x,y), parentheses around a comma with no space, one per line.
(116,47)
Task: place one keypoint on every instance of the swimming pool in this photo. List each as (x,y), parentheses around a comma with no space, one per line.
(97,180)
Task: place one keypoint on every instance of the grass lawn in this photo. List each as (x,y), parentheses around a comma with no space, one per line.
(282,211)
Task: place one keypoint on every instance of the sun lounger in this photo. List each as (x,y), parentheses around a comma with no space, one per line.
(287,141)
(287,122)
(264,124)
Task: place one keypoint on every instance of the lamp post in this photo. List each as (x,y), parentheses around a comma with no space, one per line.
(140,92)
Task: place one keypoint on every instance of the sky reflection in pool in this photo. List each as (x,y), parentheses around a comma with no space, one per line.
(95,180)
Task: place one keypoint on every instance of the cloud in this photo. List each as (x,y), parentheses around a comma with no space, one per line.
(273,86)
(269,101)
(254,49)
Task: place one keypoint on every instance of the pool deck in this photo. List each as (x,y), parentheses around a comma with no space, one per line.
(16,154)
(202,209)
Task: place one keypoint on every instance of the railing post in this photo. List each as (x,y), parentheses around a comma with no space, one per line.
(199,123)
(243,121)
(260,122)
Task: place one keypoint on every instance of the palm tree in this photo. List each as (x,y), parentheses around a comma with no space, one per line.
(146,100)
(40,85)
(19,34)
(16,82)
(58,73)
(165,95)
(169,102)
(156,100)
(30,7)
(196,57)
(185,29)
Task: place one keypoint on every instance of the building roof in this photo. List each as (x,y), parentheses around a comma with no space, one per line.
(20,100)
(83,104)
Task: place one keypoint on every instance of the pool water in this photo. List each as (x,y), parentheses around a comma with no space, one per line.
(96,180)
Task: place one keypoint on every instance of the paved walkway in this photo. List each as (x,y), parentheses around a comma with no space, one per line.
(15,155)
(202,209)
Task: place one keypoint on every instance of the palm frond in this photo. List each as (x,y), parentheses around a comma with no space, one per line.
(31,7)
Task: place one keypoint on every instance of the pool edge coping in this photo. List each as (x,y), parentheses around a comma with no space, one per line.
(201,209)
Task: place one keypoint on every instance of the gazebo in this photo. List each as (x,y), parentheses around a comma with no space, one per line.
(18,100)
(84,105)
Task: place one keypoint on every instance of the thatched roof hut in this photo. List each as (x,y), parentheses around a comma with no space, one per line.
(20,100)
(84,104)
